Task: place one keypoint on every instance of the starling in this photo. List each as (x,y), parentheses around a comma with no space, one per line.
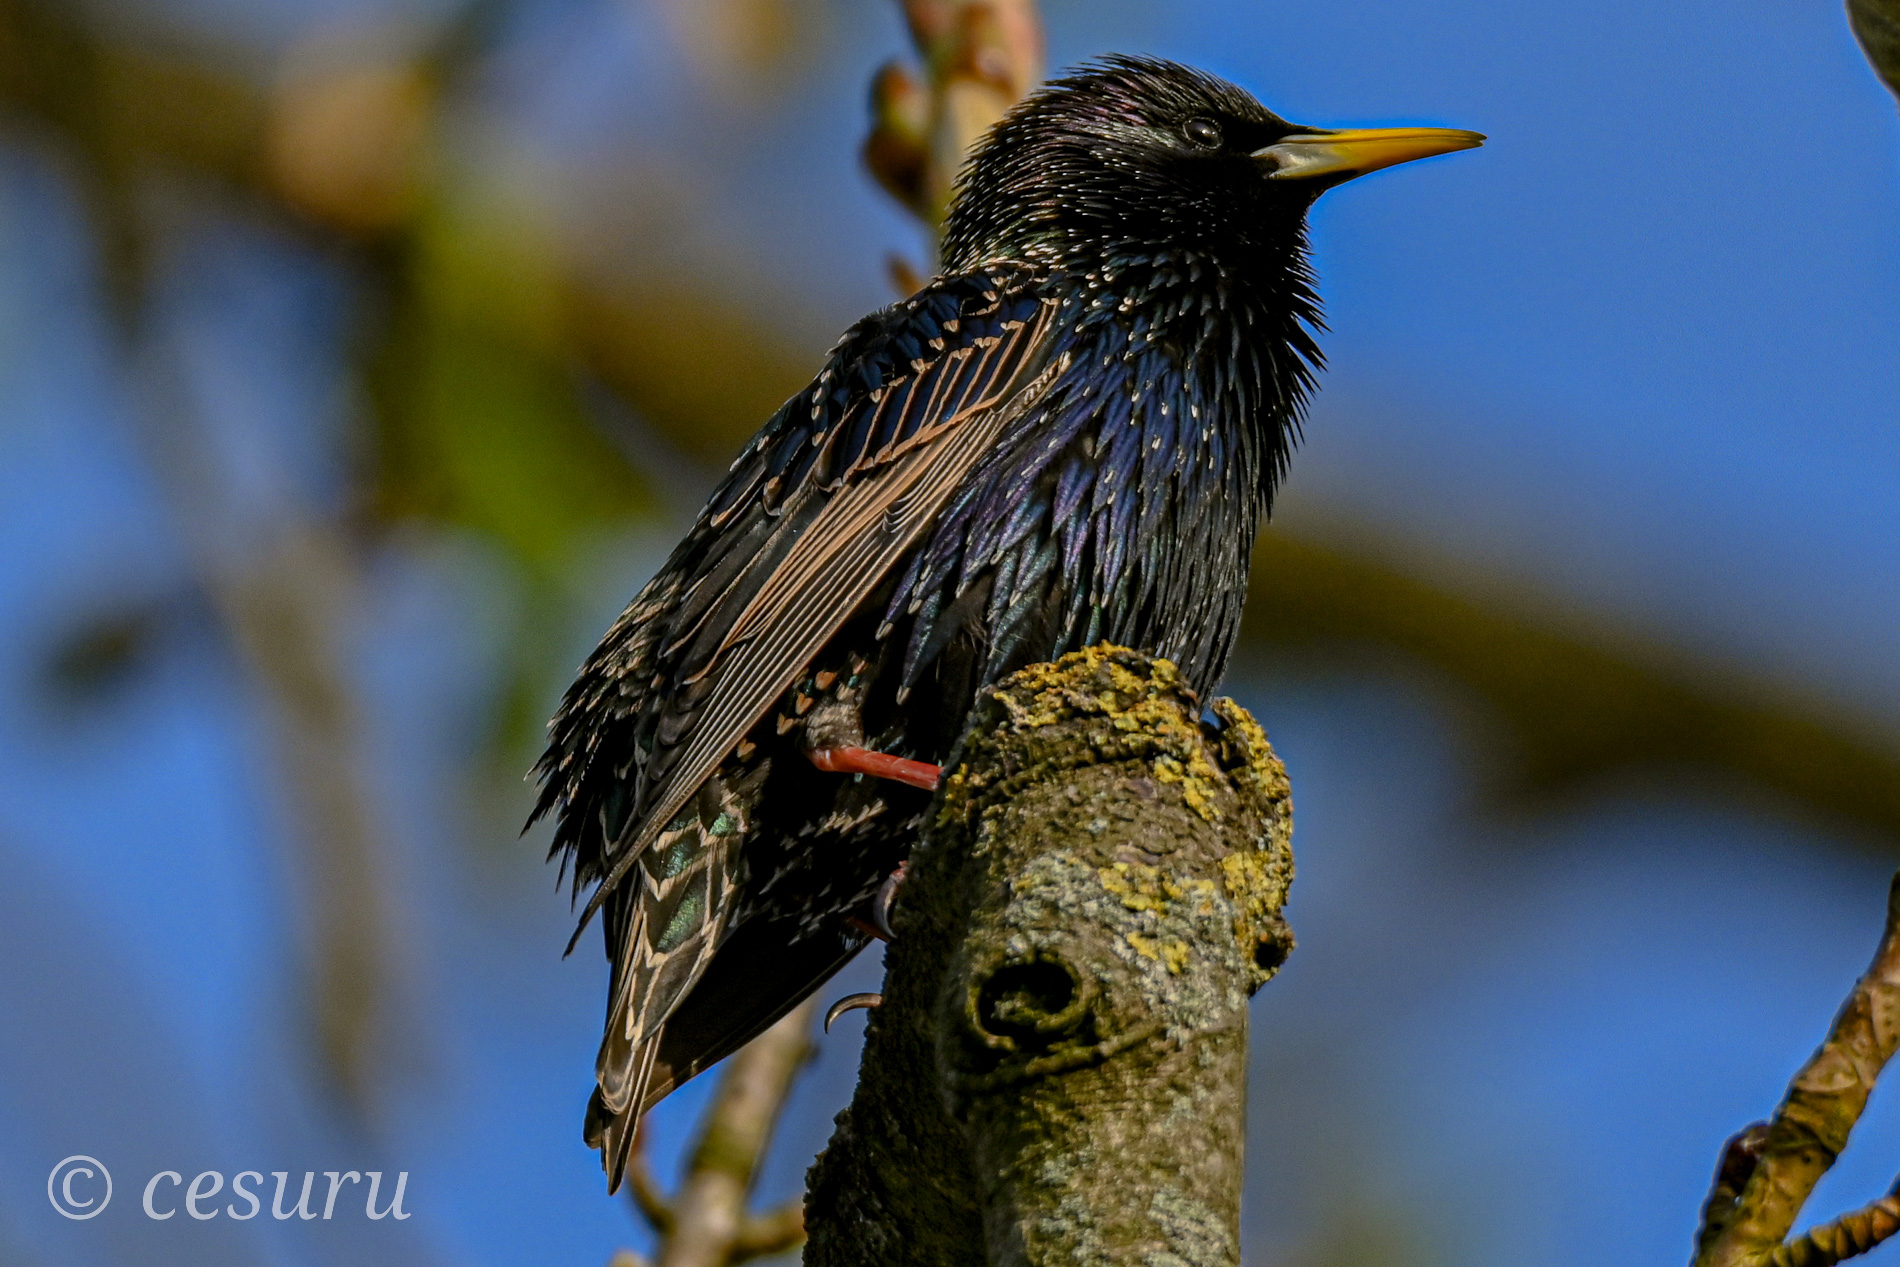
(1067,437)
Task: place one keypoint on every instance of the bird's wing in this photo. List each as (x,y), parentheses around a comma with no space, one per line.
(811,519)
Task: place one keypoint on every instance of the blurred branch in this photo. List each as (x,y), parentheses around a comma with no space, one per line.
(285,606)
(979,58)
(124,111)
(651,1203)
(1876,25)
(1769,1170)
(120,109)
(669,350)
(1579,709)
(706,1224)
(107,648)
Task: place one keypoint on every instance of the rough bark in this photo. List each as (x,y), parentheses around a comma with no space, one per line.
(1057,1073)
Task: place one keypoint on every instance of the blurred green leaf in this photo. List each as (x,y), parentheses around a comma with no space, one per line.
(705,372)
(481,423)
(1580,705)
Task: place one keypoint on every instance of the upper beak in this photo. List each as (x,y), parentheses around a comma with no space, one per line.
(1359,150)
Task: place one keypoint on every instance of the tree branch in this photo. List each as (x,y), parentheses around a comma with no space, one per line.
(1768,1171)
(1057,1073)
(651,1203)
(285,608)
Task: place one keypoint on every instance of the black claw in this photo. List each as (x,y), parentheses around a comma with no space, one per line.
(848,1003)
(885,899)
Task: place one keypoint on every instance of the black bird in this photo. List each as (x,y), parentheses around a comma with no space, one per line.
(1067,437)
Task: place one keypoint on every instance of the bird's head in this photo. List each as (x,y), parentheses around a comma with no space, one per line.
(1134,153)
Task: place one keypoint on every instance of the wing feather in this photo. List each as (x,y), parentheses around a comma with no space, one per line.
(833,566)
(815,514)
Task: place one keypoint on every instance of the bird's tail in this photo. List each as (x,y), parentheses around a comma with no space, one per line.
(681,893)
(613,1133)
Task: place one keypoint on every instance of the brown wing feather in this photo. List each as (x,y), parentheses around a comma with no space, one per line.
(837,560)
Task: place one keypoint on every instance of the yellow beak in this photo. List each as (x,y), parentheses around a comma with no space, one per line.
(1360,150)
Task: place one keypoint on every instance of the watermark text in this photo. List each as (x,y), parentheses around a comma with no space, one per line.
(80,1188)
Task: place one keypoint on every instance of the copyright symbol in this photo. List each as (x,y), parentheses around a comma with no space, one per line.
(74,1183)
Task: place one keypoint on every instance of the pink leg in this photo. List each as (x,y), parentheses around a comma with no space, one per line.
(879,765)
(866,927)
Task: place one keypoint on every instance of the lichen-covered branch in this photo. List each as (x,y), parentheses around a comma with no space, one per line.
(1769,1170)
(1057,1073)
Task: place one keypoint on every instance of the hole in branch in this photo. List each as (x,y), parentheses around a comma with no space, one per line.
(1269,953)
(1033,1003)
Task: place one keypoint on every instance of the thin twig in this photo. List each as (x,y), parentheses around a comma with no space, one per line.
(979,58)
(762,1235)
(644,1192)
(1845,1237)
(1767,1174)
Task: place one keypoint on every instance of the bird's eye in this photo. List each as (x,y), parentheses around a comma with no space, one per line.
(1203,132)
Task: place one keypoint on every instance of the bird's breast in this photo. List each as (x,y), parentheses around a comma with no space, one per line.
(1121,509)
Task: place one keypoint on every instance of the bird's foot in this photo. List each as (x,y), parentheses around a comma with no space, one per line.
(886,898)
(879,923)
(848,1002)
(879,765)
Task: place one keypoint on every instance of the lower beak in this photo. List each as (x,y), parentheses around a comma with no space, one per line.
(1360,150)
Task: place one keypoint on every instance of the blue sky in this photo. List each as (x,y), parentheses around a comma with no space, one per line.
(1638,354)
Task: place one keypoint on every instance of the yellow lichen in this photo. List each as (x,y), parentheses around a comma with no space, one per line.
(1175,954)
(1143,888)
(1257,881)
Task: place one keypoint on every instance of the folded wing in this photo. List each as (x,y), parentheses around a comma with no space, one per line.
(813,516)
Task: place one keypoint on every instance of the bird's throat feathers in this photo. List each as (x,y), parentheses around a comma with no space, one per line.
(1242,334)
(1096,184)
